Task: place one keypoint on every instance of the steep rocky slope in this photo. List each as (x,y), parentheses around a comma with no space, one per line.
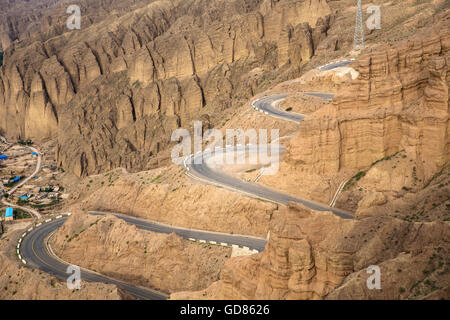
(390,124)
(399,101)
(40,20)
(128,83)
(310,253)
(165,262)
(167,195)
(398,105)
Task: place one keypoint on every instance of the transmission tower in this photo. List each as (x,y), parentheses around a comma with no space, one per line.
(358,42)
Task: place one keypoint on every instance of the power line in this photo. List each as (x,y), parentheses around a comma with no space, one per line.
(358,41)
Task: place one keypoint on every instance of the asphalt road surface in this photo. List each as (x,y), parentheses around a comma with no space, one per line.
(267,106)
(198,168)
(253,243)
(34,250)
(334,65)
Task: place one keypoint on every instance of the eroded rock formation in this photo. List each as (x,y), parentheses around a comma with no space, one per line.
(400,101)
(114,91)
(310,253)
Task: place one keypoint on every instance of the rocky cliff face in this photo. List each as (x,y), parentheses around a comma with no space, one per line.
(130,78)
(309,254)
(400,101)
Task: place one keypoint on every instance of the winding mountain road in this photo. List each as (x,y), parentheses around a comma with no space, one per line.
(198,168)
(253,243)
(35,251)
(197,165)
(34,248)
(336,64)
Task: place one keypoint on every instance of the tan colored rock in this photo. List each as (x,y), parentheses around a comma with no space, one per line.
(112,247)
(399,96)
(316,255)
(136,71)
(373,199)
(191,206)
(398,102)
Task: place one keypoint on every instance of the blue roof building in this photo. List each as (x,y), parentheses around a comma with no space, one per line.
(3,157)
(16,179)
(9,212)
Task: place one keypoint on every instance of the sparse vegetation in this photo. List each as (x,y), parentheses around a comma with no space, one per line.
(155,180)
(46,205)
(21,214)
(437,175)
(361,174)
(25,142)
(137,84)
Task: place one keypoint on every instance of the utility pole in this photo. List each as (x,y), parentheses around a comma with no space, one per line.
(358,42)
